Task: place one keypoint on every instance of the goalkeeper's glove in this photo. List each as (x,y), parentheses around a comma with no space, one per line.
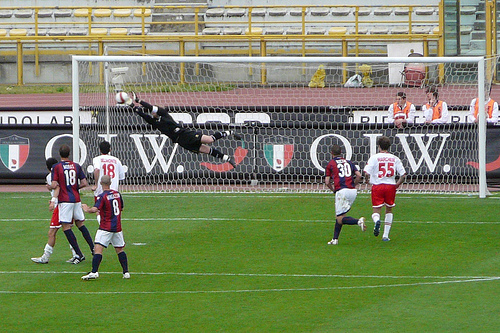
(135,97)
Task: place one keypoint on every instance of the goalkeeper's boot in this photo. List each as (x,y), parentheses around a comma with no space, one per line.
(333,242)
(90,276)
(236,135)
(231,161)
(361,223)
(40,260)
(376,230)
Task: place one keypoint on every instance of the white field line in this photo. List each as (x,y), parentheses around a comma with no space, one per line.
(343,276)
(166,292)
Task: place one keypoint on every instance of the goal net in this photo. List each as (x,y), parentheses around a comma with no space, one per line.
(289,111)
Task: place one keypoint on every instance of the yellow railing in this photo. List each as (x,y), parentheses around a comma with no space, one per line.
(24,46)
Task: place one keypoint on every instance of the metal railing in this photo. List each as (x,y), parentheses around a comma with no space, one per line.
(22,47)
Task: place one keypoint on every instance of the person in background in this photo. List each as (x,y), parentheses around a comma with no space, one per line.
(401,112)
(435,110)
(490,107)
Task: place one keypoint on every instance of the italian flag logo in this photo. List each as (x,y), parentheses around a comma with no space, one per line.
(278,155)
(14,151)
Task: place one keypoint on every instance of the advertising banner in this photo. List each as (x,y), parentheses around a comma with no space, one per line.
(277,150)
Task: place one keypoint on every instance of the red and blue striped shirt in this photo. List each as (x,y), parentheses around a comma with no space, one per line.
(68,175)
(342,172)
(110,205)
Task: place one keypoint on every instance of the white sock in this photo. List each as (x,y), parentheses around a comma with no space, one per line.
(375,217)
(225,158)
(98,218)
(72,250)
(47,251)
(388,224)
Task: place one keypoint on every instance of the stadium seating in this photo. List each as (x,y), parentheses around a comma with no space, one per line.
(319,20)
(74,22)
(266,19)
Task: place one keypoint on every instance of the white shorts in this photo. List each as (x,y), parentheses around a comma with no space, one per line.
(344,199)
(69,211)
(103,238)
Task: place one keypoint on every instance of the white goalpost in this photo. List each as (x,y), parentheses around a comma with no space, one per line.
(289,111)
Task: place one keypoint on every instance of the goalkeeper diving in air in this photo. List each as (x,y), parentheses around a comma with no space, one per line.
(187,138)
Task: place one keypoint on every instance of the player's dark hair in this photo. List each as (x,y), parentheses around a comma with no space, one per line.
(336,150)
(401,94)
(431,89)
(384,143)
(105,147)
(50,162)
(434,90)
(64,151)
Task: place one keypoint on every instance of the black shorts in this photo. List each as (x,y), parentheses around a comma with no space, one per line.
(190,140)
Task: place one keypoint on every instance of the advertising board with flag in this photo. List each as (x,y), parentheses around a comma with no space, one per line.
(14,151)
(278,153)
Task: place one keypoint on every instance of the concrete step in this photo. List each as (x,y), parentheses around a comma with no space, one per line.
(478,34)
(478,44)
(480,25)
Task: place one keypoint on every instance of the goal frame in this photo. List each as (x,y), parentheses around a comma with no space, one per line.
(481,75)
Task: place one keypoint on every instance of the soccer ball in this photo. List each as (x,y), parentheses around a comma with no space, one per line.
(122,98)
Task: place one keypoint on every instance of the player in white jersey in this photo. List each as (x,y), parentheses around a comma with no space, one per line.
(381,171)
(106,164)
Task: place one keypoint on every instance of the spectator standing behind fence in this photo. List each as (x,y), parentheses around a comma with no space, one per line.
(401,112)
(435,111)
(490,107)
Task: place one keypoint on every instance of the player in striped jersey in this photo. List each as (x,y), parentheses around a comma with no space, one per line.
(342,176)
(110,205)
(68,176)
(381,171)
(54,222)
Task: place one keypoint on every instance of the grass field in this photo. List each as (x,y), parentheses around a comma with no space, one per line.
(258,263)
